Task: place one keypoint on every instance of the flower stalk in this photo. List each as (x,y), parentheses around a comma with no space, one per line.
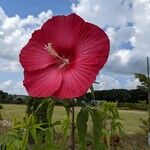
(73,126)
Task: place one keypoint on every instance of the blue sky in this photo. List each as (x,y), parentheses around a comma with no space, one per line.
(25,7)
(127,28)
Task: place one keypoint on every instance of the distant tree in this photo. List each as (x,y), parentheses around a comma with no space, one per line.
(145,84)
(3,96)
(137,94)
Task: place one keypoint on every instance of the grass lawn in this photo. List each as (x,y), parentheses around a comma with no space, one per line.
(130,118)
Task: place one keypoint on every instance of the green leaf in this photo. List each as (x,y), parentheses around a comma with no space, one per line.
(43,102)
(50,110)
(50,146)
(33,133)
(25,139)
(16,122)
(65,127)
(97,129)
(92,91)
(82,119)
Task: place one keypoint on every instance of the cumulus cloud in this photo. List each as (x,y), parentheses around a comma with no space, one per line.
(14,34)
(104,13)
(12,87)
(107,82)
(115,81)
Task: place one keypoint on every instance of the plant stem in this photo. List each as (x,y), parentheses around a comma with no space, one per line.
(73,127)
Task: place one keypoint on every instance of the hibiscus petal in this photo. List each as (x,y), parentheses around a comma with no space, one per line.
(43,83)
(93,48)
(34,57)
(75,83)
(92,40)
(92,51)
(63,30)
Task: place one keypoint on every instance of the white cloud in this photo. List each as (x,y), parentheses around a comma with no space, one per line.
(116,82)
(132,83)
(14,33)
(102,12)
(124,56)
(9,65)
(12,87)
(107,82)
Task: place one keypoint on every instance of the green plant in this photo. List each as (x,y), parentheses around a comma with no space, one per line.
(18,137)
(111,126)
(145,125)
(82,120)
(136,106)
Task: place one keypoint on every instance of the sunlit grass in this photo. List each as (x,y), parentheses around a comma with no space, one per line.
(11,110)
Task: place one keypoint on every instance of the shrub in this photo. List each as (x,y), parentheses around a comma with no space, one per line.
(112,127)
(37,107)
(136,106)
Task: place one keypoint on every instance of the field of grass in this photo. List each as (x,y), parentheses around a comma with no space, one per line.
(130,118)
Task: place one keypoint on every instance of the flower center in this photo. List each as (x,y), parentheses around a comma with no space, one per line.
(53,53)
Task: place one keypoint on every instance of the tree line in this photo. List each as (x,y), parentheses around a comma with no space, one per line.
(119,95)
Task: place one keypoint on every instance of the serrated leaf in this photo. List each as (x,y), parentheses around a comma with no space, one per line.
(82,119)
(97,129)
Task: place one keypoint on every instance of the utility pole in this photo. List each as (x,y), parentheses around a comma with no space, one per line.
(148,92)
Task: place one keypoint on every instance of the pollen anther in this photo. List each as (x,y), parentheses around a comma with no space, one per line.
(53,52)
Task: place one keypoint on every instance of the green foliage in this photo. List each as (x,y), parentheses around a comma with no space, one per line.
(65,126)
(120,95)
(12,140)
(92,92)
(3,96)
(144,80)
(112,126)
(145,85)
(130,106)
(1,107)
(145,125)
(82,119)
(42,109)
(50,110)
(47,143)
(17,138)
(97,129)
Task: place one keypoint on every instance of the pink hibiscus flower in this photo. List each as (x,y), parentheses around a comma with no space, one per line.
(64,57)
